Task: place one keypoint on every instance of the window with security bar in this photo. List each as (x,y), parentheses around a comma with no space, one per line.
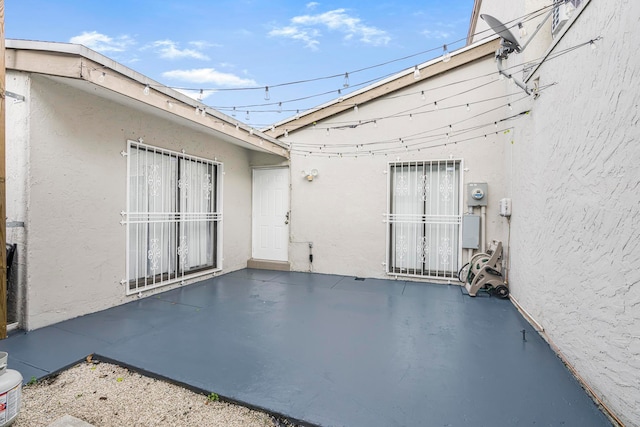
(173,217)
(424,218)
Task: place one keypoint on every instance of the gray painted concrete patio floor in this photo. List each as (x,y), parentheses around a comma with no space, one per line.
(331,350)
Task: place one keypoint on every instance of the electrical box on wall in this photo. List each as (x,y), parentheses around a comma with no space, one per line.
(505,207)
(477,194)
(470,231)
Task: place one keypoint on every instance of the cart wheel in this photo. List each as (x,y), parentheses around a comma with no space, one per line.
(501,291)
(463,273)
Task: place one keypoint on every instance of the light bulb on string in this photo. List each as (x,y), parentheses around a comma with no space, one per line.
(286,133)
(266,93)
(279,107)
(510,107)
(416,73)
(424,98)
(355,108)
(346,80)
(468,107)
(102,76)
(375,123)
(446,56)
(297,114)
(196,110)
(593,45)
(510,79)
(146,90)
(410,117)
(247,117)
(233,112)
(200,96)
(435,105)
(237,126)
(203,112)
(501,76)
(522,30)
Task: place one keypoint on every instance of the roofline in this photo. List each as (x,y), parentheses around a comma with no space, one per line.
(391,84)
(131,85)
(473,22)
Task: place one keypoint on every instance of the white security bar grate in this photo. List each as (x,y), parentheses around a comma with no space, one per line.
(173,217)
(424,218)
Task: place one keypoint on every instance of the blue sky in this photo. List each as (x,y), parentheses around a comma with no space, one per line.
(215,46)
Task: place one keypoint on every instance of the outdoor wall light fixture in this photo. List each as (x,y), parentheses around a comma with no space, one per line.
(509,43)
(310,175)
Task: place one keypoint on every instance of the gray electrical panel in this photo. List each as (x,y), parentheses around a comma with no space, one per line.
(477,194)
(471,231)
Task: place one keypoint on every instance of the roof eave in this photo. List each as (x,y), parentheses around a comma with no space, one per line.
(79,62)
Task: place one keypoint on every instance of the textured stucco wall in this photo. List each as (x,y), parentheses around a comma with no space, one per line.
(576,221)
(341,211)
(17,130)
(77,189)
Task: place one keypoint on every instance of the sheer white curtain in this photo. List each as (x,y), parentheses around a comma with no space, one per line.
(152,202)
(197,203)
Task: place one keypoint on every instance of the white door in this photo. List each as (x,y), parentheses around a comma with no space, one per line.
(271,214)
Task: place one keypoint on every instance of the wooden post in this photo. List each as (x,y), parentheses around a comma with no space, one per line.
(3,194)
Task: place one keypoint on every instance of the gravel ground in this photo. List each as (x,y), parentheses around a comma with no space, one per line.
(103,394)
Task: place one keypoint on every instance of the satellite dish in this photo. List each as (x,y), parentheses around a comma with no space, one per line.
(509,40)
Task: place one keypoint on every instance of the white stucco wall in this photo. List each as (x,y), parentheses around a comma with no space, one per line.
(76,190)
(576,214)
(16,162)
(341,211)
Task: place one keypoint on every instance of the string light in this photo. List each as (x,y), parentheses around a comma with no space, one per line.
(201,95)
(416,73)
(247,117)
(346,80)
(435,105)
(593,45)
(102,76)
(233,113)
(522,30)
(510,107)
(424,98)
(410,116)
(468,107)
(146,90)
(266,93)
(355,108)
(237,126)
(446,56)
(449,84)
(286,133)
(279,107)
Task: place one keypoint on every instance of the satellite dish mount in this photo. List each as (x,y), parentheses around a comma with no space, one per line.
(509,44)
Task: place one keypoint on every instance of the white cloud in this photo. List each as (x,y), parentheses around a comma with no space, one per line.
(201,44)
(437,34)
(102,43)
(312,5)
(308,36)
(211,76)
(304,28)
(169,49)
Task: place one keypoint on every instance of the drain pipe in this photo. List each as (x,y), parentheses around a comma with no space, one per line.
(483,228)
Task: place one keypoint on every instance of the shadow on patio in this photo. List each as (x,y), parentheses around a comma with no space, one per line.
(330,350)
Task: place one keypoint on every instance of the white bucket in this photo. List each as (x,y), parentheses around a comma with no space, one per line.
(3,361)
(10,392)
